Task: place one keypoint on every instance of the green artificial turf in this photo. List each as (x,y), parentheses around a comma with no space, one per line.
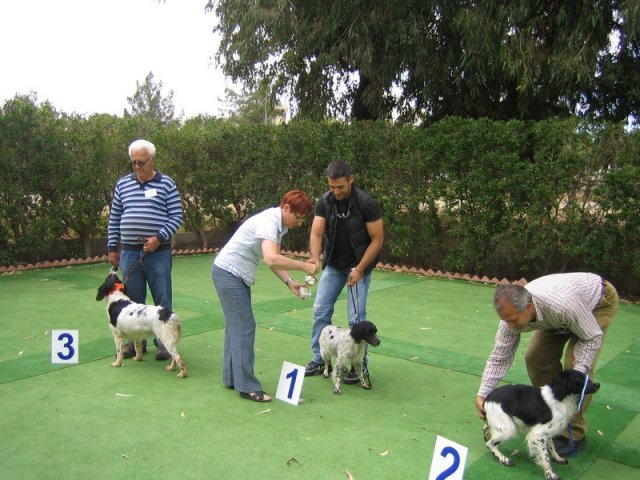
(91,421)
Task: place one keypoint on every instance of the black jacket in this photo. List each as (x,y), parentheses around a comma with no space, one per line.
(356,226)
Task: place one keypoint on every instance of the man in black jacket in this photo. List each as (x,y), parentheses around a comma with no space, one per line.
(349,223)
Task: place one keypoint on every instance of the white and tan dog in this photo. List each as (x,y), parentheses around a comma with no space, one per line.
(347,345)
(134,321)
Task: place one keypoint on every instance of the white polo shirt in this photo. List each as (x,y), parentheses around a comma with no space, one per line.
(242,253)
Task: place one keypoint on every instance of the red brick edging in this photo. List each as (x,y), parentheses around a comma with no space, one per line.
(194,251)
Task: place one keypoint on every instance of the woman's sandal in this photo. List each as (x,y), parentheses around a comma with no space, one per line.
(255,396)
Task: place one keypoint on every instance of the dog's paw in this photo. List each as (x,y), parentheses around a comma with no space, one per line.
(325,375)
(506,461)
(170,368)
(182,374)
(116,364)
(137,358)
(337,391)
(561,461)
(551,476)
(365,385)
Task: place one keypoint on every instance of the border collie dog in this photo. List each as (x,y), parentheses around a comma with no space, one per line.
(348,346)
(542,412)
(130,320)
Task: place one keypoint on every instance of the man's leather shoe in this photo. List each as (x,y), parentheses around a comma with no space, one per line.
(129,351)
(162,353)
(352,377)
(566,447)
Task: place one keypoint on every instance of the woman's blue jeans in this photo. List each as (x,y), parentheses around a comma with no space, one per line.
(330,286)
(239,332)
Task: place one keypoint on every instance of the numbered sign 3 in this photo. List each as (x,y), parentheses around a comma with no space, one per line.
(448,460)
(290,383)
(64,346)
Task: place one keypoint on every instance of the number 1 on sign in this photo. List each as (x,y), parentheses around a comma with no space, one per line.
(290,384)
(293,374)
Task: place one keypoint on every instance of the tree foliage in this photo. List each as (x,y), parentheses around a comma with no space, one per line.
(33,157)
(96,148)
(258,107)
(56,176)
(149,102)
(424,60)
(479,196)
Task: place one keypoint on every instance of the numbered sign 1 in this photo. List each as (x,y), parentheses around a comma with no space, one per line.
(64,346)
(290,383)
(448,460)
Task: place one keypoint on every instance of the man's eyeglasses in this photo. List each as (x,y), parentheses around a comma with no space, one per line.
(139,163)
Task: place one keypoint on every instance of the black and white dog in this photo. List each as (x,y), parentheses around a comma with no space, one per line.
(134,321)
(347,345)
(543,412)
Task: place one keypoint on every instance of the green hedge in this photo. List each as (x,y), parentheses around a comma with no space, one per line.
(488,198)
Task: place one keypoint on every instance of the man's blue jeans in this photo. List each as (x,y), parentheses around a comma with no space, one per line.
(330,286)
(154,269)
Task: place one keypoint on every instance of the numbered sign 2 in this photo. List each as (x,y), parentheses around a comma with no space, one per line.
(64,346)
(448,460)
(290,383)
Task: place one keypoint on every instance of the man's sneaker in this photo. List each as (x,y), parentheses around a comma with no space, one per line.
(351,378)
(129,351)
(313,368)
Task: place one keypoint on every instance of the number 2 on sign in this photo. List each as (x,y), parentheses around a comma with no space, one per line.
(448,460)
(446,451)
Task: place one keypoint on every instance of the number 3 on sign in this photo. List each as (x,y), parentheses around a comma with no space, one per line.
(64,346)
(290,384)
(448,460)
